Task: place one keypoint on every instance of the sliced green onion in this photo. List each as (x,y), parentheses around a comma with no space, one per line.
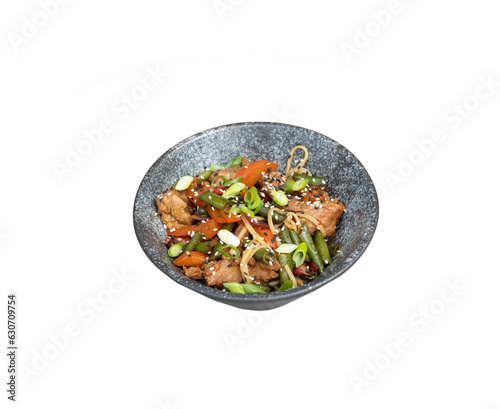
(234,190)
(246,210)
(252,198)
(184,183)
(215,167)
(232,256)
(299,185)
(279,197)
(253,289)
(229,238)
(175,250)
(234,162)
(234,288)
(299,255)
(286,285)
(235,209)
(232,182)
(288,185)
(286,248)
(292,186)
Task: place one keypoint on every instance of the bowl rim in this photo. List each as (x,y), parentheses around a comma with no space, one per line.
(272,297)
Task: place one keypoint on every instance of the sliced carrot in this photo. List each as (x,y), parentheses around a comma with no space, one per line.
(244,161)
(190,259)
(252,172)
(209,229)
(222,216)
(268,236)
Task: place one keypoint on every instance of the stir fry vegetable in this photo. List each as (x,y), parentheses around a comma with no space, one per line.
(221,233)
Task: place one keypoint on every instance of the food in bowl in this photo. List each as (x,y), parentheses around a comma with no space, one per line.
(247,228)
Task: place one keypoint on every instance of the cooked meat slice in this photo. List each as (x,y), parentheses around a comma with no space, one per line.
(223,271)
(270,181)
(175,208)
(262,272)
(228,173)
(327,212)
(193,272)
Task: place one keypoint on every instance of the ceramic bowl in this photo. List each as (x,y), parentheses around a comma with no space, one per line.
(345,176)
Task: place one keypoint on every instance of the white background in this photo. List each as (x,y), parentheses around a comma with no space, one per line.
(156,344)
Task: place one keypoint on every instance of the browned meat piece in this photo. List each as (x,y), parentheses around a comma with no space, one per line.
(193,272)
(223,271)
(262,272)
(317,204)
(175,208)
(228,173)
(270,181)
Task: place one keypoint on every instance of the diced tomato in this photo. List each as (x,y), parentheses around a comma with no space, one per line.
(222,216)
(252,172)
(190,259)
(268,236)
(209,229)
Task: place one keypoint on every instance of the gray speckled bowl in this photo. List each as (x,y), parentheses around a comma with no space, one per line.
(346,179)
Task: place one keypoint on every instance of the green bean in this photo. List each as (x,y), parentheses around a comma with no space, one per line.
(296,240)
(216,251)
(322,248)
(245,242)
(311,180)
(285,260)
(285,236)
(294,236)
(265,256)
(306,237)
(227,226)
(200,211)
(205,175)
(204,247)
(214,200)
(194,241)
(278,217)
(283,276)
(335,249)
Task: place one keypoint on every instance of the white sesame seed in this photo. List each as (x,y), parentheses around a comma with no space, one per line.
(172,229)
